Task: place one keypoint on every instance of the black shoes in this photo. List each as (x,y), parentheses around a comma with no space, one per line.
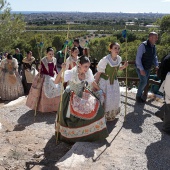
(160,115)
(140,100)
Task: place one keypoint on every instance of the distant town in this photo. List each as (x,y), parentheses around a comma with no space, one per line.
(96,18)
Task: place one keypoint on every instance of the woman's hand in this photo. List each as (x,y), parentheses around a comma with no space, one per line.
(58,78)
(125,64)
(102,93)
(39,67)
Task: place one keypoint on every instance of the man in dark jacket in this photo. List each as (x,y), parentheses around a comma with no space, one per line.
(164,112)
(145,58)
(77,44)
(60,58)
(19,58)
(165,67)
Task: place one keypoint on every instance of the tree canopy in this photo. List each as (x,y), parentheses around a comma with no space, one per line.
(11,25)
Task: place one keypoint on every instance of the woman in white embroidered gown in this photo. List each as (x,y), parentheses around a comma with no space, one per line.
(10,83)
(43,96)
(82,116)
(106,76)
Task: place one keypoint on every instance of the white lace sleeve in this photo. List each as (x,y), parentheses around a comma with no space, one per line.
(15,63)
(90,77)
(67,75)
(102,65)
(67,63)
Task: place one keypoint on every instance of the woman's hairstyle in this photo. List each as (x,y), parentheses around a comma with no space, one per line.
(73,49)
(86,52)
(9,57)
(112,44)
(77,40)
(28,52)
(49,49)
(83,59)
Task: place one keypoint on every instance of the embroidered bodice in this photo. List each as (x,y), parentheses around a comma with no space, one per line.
(109,67)
(27,64)
(48,68)
(101,67)
(9,67)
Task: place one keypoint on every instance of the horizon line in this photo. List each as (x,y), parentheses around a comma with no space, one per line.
(94,12)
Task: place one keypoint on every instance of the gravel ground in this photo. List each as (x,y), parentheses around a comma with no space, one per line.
(138,143)
(24,144)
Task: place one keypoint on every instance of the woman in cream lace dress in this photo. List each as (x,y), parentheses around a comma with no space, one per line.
(106,76)
(10,83)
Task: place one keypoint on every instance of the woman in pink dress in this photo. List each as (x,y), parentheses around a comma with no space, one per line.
(43,96)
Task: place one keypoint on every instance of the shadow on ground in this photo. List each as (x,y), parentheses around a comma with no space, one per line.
(136,118)
(29,118)
(158,153)
(52,153)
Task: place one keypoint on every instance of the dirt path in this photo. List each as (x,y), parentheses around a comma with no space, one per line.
(135,144)
(25,143)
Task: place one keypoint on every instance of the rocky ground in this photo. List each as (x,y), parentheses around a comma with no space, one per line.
(25,143)
(138,143)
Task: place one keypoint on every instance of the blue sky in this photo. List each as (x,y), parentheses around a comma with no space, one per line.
(160,6)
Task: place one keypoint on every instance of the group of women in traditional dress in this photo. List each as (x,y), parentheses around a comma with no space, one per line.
(88,100)
(12,85)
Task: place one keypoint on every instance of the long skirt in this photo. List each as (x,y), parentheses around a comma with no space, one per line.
(37,99)
(81,119)
(10,86)
(27,79)
(112,101)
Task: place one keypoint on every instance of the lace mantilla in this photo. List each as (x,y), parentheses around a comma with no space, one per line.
(25,60)
(45,62)
(113,63)
(108,60)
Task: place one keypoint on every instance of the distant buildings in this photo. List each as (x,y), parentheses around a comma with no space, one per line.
(152,26)
(129,23)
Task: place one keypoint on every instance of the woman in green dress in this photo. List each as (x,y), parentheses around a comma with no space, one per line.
(106,77)
(82,116)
